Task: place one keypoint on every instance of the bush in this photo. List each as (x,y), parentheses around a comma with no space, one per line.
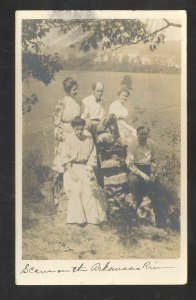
(34,176)
(168,171)
(31,160)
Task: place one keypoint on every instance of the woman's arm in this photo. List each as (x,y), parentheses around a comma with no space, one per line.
(61,114)
(66,152)
(113,109)
(67,159)
(66,115)
(128,127)
(57,114)
(92,160)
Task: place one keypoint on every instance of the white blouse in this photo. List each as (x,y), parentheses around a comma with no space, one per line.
(70,110)
(119,110)
(79,151)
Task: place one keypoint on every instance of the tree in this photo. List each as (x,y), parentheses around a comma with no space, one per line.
(127,81)
(105,34)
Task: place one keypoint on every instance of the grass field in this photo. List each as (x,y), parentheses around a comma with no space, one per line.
(155,99)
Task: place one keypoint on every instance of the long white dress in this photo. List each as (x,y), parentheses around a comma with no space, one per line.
(86,200)
(127,132)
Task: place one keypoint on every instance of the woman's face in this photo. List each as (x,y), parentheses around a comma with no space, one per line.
(74,91)
(123,97)
(79,130)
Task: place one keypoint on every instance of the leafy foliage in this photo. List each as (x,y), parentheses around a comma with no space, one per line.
(41,67)
(28,102)
(172,136)
(35,177)
(168,170)
(34,30)
(109,33)
(31,184)
(169,161)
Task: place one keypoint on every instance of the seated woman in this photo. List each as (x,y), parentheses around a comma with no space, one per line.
(86,200)
(128,133)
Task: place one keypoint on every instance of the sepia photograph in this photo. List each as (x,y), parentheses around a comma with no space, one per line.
(101,146)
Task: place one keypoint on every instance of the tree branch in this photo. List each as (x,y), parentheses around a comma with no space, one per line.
(149,35)
(172,24)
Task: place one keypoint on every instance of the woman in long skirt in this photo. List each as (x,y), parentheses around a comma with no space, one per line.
(86,200)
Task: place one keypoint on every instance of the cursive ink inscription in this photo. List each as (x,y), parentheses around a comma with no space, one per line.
(81,268)
(108,267)
(149,266)
(97,267)
(33,270)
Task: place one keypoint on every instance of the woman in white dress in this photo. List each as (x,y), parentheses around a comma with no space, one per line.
(86,200)
(65,110)
(128,133)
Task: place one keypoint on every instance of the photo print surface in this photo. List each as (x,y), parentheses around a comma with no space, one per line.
(101,147)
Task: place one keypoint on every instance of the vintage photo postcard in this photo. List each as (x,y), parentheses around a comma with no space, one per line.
(101,137)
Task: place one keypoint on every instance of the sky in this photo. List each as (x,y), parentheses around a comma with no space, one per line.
(172,33)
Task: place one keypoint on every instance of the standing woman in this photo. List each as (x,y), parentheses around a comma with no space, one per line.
(128,133)
(86,200)
(66,109)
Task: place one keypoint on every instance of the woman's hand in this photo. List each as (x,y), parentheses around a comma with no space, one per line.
(89,168)
(88,123)
(146,178)
(90,173)
(152,177)
(72,174)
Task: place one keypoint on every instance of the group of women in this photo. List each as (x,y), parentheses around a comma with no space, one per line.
(75,155)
